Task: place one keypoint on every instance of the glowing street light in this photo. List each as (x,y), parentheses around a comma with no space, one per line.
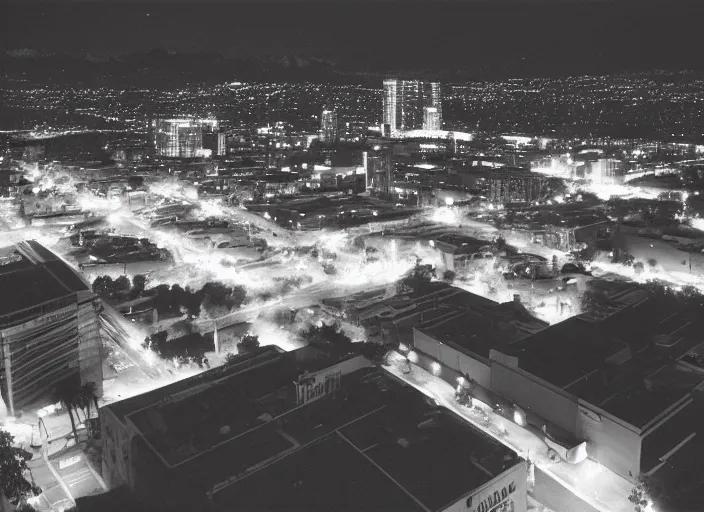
(436,368)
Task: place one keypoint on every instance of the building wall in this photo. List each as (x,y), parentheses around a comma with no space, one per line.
(610,442)
(512,484)
(453,358)
(90,345)
(115,453)
(38,354)
(555,496)
(533,394)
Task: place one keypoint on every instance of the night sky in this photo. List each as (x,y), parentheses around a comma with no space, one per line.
(519,38)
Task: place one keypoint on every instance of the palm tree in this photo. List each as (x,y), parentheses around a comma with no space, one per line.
(67,392)
(85,397)
(67,402)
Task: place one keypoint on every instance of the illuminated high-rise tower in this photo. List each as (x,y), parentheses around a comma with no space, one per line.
(431,118)
(405,102)
(222,144)
(329,132)
(181,138)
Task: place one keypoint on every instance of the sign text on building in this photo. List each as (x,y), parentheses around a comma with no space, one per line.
(312,387)
(493,502)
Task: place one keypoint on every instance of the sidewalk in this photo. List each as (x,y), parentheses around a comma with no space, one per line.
(589,481)
(54,497)
(59,465)
(75,472)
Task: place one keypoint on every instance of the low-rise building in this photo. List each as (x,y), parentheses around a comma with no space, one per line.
(460,252)
(304,431)
(507,186)
(614,382)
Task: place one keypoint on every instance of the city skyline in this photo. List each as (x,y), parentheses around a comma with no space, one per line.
(412,105)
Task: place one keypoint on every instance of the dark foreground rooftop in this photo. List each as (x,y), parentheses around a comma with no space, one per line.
(403,454)
(373,444)
(31,276)
(625,363)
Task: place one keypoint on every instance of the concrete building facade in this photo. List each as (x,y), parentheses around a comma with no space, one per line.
(49,327)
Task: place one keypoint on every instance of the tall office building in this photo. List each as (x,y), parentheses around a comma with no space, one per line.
(49,330)
(405,102)
(222,144)
(379,170)
(181,138)
(329,131)
(431,118)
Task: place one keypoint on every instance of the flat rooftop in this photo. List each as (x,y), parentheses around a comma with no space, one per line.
(382,446)
(124,408)
(463,242)
(36,276)
(401,313)
(187,422)
(646,398)
(484,328)
(622,363)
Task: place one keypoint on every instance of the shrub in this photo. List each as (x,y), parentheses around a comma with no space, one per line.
(248,343)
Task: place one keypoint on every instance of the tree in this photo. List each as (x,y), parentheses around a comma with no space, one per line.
(13,465)
(448,276)
(324,334)
(248,343)
(191,301)
(375,352)
(420,276)
(210,308)
(162,298)
(216,292)
(179,298)
(652,262)
(139,284)
(104,287)
(594,302)
(67,392)
(122,285)
(640,496)
(237,296)
(87,397)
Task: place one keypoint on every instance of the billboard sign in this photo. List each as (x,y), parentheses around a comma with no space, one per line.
(310,387)
(496,500)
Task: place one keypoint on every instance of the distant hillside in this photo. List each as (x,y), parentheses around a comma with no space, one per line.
(163,69)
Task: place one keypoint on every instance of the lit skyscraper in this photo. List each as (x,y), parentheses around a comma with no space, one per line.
(180,138)
(431,118)
(222,144)
(329,127)
(379,170)
(405,102)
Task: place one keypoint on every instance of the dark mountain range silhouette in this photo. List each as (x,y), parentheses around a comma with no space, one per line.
(161,68)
